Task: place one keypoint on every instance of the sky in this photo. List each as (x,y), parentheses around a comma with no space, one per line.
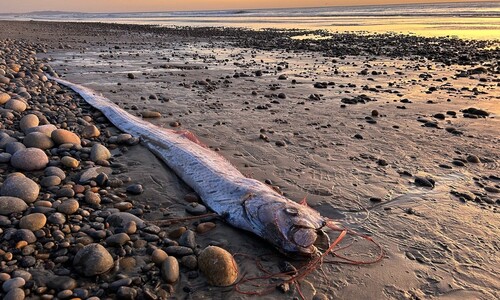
(172,5)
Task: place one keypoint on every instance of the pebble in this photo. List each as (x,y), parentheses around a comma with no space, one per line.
(158,256)
(151,114)
(190,262)
(15,294)
(126,293)
(50,181)
(124,206)
(38,140)
(170,269)
(13,147)
(70,162)
(24,235)
(68,207)
(55,171)
(92,260)
(135,189)
(16,105)
(218,266)
(117,240)
(130,227)
(5,157)
(90,131)
(473,159)
(9,205)
(33,222)
(57,218)
(29,121)
(92,198)
(61,283)
(64,294)
(63,136)
(20,187)
(425,182)
(4,97)
(45,129)
(99,153)
(92,173)
(188,239)
(196,209)
(120,219)
(23,274)
(205,227)
(13,283)
(178,250)
(29,159)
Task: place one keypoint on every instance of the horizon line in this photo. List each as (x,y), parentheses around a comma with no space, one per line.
(245,9)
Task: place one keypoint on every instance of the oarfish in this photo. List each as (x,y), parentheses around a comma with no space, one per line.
(243,202)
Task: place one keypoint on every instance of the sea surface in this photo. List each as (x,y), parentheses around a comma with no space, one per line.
(474,20)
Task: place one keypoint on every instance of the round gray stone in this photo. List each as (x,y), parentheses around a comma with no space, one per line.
(55,171)
(13,283)
(10,205)
(14,147)
(29,159)
(15,294)
(92,260)
(20,187)
(38,140)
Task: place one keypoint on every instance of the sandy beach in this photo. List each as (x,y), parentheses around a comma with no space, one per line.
(392,136)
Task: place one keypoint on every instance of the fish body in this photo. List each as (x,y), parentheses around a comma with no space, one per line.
(244,202)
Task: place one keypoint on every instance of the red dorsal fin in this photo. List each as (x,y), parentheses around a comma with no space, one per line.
(304,201)
(190,136)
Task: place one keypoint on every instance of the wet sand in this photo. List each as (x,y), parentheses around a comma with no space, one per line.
(359,135)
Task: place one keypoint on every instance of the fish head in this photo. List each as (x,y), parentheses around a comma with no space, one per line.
(291,227)
(299,227)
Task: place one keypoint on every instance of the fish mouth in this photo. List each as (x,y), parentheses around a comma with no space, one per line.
(308,240)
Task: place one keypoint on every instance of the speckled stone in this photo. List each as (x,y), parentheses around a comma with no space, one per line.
(21,187)
(45,129)
(218,266)
(92,260)
(13,147)
(38,140)
(10,205)
(29,159)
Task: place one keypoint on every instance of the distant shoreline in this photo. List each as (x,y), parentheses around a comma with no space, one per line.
(476,20)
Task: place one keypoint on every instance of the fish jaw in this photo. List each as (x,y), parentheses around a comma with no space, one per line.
(291,227)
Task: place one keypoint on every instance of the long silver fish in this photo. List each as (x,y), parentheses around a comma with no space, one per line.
(245,203)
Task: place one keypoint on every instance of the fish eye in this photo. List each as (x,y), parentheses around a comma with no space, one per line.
(291,211)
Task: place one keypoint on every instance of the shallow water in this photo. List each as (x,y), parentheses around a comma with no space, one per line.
(474,20)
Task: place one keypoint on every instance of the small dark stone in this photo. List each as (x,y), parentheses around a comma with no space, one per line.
(178,251)
(280,143)
(426,182)
(458,163)
(135,189)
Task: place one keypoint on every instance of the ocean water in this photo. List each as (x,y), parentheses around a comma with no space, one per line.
(474,20)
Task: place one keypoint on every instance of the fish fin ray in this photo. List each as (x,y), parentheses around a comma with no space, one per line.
(190,136)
